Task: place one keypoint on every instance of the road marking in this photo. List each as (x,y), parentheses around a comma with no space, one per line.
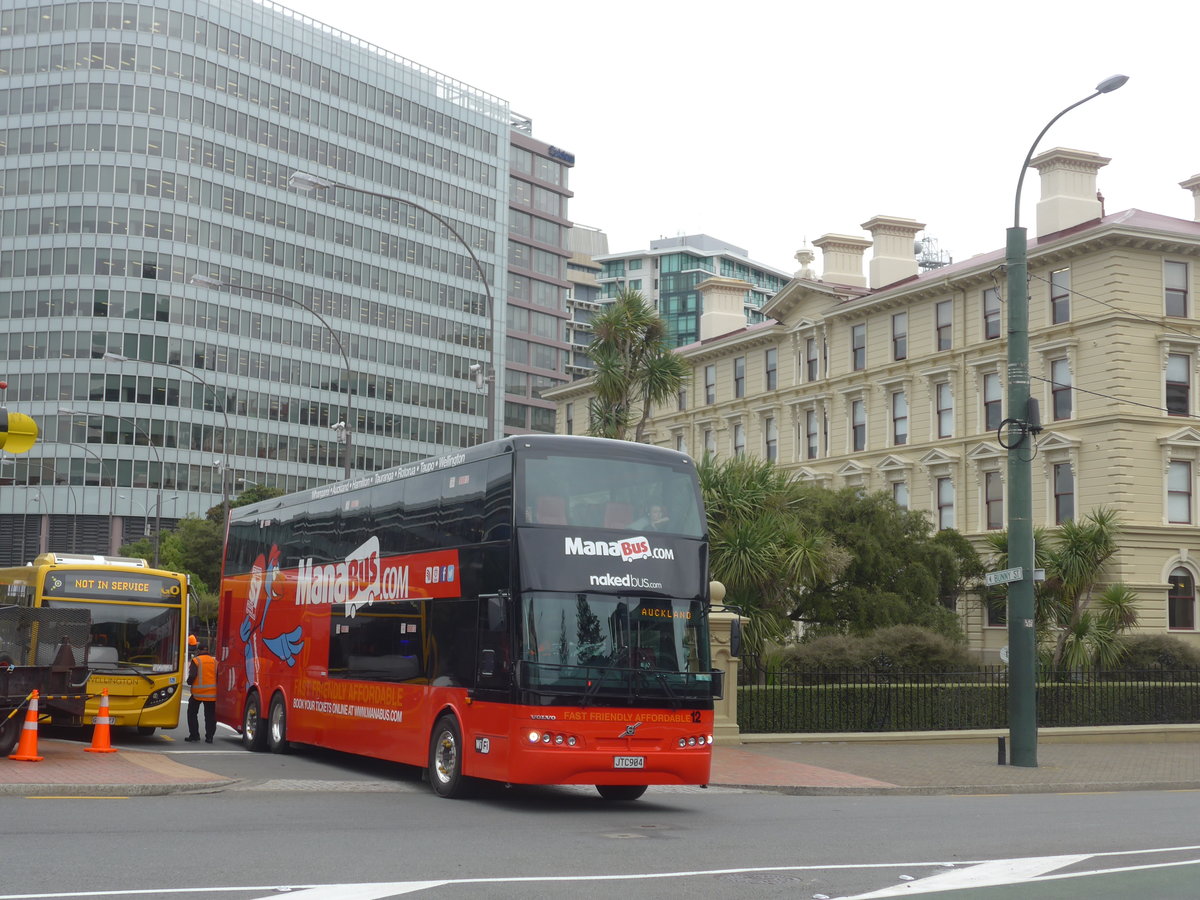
(70,797)
(989,874)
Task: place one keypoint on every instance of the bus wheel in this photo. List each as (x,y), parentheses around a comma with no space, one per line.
(277,726)
(146,730)
(10,730)
(621,793)
(445,760)
(254,732)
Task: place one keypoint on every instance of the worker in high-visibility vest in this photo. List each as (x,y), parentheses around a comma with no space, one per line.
(202,677)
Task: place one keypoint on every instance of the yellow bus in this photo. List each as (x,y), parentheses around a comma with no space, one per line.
(138,645)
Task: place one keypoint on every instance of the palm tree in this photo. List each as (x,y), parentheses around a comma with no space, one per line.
(634,367)
(1078,616)
(758,546)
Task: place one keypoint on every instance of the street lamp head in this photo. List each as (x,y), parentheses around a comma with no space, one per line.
(206,281)
(302,181)
(115,357)
(1110,84)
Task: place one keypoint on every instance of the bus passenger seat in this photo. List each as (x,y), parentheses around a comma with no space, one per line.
(551,511)
(617,515)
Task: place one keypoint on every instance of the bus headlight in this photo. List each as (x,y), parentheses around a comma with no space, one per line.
(162,695)
(534,737)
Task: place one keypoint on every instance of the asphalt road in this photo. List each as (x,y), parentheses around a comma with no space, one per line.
(369,829)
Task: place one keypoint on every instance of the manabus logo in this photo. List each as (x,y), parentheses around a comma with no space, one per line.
(356,582)
(628,549)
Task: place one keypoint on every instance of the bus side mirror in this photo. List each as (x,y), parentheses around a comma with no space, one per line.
(487,663)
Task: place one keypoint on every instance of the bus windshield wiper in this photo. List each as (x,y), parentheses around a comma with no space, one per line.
(121,667)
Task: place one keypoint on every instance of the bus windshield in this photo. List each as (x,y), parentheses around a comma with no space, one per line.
(610,492)
(594,643)
(130,634)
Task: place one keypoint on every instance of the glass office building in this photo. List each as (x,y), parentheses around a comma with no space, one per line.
(143,144)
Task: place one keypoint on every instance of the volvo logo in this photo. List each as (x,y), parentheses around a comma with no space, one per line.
(630,729)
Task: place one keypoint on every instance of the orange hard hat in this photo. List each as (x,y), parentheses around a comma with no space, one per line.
(192,642)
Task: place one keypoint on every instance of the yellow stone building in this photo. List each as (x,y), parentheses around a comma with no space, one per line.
(895,380)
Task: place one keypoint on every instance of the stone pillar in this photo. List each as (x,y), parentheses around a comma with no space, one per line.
(725,724)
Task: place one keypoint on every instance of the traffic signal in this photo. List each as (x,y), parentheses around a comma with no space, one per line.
(18,432)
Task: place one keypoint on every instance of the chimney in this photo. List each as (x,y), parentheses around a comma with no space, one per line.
(1068,188)
(893,259)
(1193,185)
(842,256)
(722,302)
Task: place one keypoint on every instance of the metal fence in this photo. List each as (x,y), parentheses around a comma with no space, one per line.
(794,701)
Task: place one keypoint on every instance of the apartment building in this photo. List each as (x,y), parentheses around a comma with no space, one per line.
(878,376)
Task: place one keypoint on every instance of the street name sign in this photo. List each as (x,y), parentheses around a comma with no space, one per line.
(1004,576)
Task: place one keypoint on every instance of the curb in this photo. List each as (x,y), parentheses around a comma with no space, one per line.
(44,789)
(962,790)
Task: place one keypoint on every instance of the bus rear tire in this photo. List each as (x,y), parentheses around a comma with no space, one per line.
(254,729)
(621,793)
(277,726)
(445,760)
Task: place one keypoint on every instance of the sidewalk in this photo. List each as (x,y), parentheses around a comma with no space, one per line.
(1069,760)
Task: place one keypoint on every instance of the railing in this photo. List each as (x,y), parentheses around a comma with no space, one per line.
(845,701)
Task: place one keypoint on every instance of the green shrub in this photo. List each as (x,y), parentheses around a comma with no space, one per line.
(1157,651)
(828,654)
(907,648)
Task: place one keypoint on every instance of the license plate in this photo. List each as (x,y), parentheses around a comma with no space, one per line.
(629,762)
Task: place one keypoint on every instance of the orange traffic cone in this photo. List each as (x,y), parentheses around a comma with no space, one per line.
(100,741)
(27,748)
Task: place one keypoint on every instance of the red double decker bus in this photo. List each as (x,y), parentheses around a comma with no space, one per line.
(529,611)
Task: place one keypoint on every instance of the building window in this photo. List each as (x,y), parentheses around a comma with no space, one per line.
(993,499)
(997,611)
(681,443)
(771,434)
(570,418)
(1060,296)
(1064,493)
(858,347)
(945,503)
(945,409)
(991,314)
(811,360)
(1175,279)
(771,369)
(1179,384)
(900,336)
(1181,601)
(1060,388)
(710,384)
(739,377)
(858,424)
(682,404)
(899,418)
(945,324)
(900,494)
(739,440)
(991,401)
(811,434)
(710,442)
(1179,492)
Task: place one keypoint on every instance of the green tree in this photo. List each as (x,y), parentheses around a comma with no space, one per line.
(1080,617)
(899,572)
(759,547)
(634,367)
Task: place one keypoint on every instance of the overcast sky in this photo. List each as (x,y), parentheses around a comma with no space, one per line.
(767,124)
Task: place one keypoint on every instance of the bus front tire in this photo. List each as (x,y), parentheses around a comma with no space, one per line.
(621,793)
(277,726)
(254,729)
(146,730)
(445,760)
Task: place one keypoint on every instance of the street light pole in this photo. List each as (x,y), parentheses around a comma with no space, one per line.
(303,181)
(342,428)
(157,458)
(1022,632)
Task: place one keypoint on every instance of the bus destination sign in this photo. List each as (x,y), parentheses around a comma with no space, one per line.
(99,584)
